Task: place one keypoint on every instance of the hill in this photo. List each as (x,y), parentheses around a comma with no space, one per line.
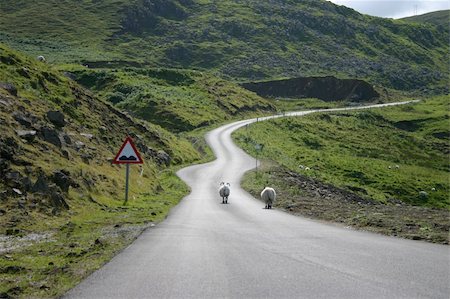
(385,169)
(178,100)
(61,199)
(438,18)
(241,40)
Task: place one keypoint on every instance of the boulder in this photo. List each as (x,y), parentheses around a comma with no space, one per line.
(28,135)
(9,148)
(22,119)
(56,118)
(58,201)
(9,88)
(51,136)
(41,185)
(62,179)
(163,158)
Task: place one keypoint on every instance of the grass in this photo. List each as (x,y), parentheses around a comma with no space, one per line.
(353,178)
(383,154)
(256,40)
(47,249)
(83,239)
(175,99)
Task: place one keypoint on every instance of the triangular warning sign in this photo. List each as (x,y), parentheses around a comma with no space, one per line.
(128,154)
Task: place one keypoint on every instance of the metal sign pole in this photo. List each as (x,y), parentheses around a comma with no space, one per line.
(126,183)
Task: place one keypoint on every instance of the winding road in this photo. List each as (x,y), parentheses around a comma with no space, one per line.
(205,249)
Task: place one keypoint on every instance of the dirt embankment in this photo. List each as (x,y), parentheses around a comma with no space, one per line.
(325,88)
(301,195)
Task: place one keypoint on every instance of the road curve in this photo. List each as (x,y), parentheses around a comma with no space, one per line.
(205,249)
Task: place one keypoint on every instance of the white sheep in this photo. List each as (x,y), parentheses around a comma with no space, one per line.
(268,195)
(41,58)
(224,192)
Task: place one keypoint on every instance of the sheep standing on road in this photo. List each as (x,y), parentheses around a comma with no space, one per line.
(224,192)
(268,195)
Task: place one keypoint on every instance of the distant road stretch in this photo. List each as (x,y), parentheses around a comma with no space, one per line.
(206,249)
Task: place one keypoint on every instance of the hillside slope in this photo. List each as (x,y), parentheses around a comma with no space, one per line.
(177,100)
(241,39)
(385,170)
(61,199)
(438,18)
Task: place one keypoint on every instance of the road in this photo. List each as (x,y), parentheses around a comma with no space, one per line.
(205,249)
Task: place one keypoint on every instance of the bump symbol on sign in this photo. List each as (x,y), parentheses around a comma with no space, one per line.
(128,154)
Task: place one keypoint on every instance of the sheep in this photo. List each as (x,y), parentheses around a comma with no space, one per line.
(224,192)
(268,195)
(41,58)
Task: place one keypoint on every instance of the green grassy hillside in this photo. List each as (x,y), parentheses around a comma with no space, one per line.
(61,199)
(239,39)
(175,99)
(438,18)
(360,150)
(384,170)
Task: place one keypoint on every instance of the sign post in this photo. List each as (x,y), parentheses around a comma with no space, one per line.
(258,148)
(128,154)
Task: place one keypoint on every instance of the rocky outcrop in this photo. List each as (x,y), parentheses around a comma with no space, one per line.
(56,118)
(324,88)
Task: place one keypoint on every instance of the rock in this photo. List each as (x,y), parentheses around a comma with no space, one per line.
(87,135)
(86,158)
(13,179)
(58,201)
(65,153)
(163,158)
(62,179)
(79,145)
(67,139)
(9,149)
(26,134)
(56,118)
(51,136)
(41,185)
(26,183)
(9,88)
(17,191)
(22,119)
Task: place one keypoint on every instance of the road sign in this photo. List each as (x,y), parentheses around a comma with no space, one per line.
(128,154)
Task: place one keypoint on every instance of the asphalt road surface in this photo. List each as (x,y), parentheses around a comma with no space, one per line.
(206,249)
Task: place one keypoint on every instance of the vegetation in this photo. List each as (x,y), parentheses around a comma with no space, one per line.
(175,99)
(380,154)
(384,170)
(61,200)
(169,64)
(241,40)
(438,18)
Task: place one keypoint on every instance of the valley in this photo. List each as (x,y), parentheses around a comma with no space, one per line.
(77,77)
